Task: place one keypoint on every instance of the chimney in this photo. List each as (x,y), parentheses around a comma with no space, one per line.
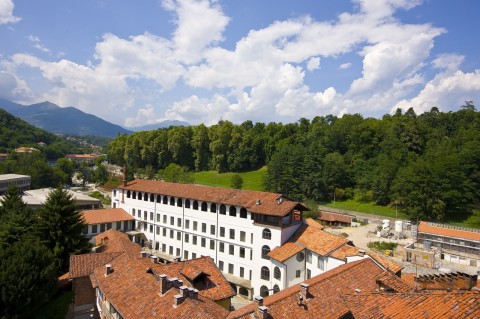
(108,269)
(193,293)
(177,300)
(154,259)
(163,284)
(184,291)
(258,202)
(124,175)
(262,312)
(143,254)
(174,282)
(304,290)
(258,300)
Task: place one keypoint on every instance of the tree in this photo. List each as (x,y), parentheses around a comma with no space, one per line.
(60,227)
(15,218)
(237,181)
(174,173)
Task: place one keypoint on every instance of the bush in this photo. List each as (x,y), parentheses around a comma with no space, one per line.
(382,245)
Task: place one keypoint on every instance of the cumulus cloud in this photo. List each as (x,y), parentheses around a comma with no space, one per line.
(6,12)
(145,115)
(313,64)
(345,66)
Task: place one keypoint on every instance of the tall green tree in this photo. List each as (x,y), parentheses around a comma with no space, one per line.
(60,226)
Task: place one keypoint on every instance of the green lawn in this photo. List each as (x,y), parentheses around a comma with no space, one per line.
(368,208)
(251,180)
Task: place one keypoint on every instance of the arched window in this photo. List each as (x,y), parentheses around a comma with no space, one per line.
(213,208)
(265,251)
(187,203)
(300,256)
(243,213)
(195,205)
(172,201)
(263,291)
(152,197)
(266,233)
(265,273)
(223,210)
(232,211)
(276,273)
(145,196)
(276,289)
(128,194)
(159,199)
(204,206)
(165,200)
(179,202)
(134,195)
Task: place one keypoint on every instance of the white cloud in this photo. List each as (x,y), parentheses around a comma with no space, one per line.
(37,44)
(144,116)
(198,110)
(345,66)
(313,64)
(6,12)
(450,62)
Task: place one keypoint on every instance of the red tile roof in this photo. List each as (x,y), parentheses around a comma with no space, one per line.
(448,231)
(115,241)
(393,283)
(268,203)
(325,293)
(414,305)
(100,216)
(83,265)
(345,251)
(385,262)
(334,217)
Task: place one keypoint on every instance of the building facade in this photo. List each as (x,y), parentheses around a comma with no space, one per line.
(21,181)
(101,220)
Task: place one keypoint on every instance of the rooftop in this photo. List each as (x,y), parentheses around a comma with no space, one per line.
(39,196)
(98,216)
(5,177)
(449,231)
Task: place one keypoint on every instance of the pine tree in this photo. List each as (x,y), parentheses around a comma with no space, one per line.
(60,226)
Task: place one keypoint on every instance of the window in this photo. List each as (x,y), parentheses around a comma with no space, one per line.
(172,220)
(134,195)
(187,238)
(139,214)
(185,254)
(213,208)
(222,231)
(309,274)
(159,198)
(276,289)
(152,197)
(232,233)
(231,249)
(266,234)
(195,205)
(164,219)
(204,206)
(242,236)
(171,233)
(151,215)
(212,229)
(172,201)
(230,268)
(158,230)
(178,252)
(223,210)
(133,212)
(265,251)
(187,203)
(145,213)
(128,194)
(194,255)
(300,256)
(187,223)
(194,240)
(170,250)
(221,247)
(298,273)
(145,196)
(242,272)
(164,248)
(232,211)
(165,200)
(203,241)
(102,228)
(164,232)
(179,202)
(263,291)
(309,256)
(220,265)
(179,222)
(119,225)
(251,238)
(151,228)
(94,229)
(242,252)
(158,218)
(179,236)
(204,228)
(265,273)
(243,213)
(321,263)
(276,273)
(212,244)
(195,224)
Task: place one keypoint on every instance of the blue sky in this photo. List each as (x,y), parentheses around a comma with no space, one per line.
(140,62)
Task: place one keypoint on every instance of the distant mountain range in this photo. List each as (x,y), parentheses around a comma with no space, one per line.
(72,121)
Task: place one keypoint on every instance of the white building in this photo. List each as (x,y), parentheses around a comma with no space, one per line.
(21,181)
(258,239)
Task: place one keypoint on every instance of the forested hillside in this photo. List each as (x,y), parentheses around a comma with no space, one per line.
(428,164)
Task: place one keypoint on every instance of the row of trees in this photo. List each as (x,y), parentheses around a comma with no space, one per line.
(35,247)
(427,165)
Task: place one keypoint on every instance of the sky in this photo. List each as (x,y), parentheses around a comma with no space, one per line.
(141,62)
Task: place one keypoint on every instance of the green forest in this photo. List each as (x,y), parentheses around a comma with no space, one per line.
(428,165)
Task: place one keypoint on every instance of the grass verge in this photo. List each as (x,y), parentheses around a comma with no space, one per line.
(251,180)
(367,208)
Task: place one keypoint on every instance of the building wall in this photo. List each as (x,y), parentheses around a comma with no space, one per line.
(22,183)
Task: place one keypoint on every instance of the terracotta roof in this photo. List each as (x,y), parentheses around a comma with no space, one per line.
(115,241)
(409,279)
(325,291)
(212,285)
(64,280)
(394,283)
(334,217)
(268,203)
(385,262)
(86,156)
(448,231)
(83,265)
(135,293)
(99,216)
(345,251)
(285,251)
(312,222)
(414,305)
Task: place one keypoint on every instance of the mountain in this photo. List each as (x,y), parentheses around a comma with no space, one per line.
(163,124)
(63,120)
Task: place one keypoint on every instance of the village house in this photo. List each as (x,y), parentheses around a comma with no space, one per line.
(100,220)
(82,158)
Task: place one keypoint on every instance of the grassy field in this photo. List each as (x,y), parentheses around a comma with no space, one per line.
(368,208)
(251,180)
